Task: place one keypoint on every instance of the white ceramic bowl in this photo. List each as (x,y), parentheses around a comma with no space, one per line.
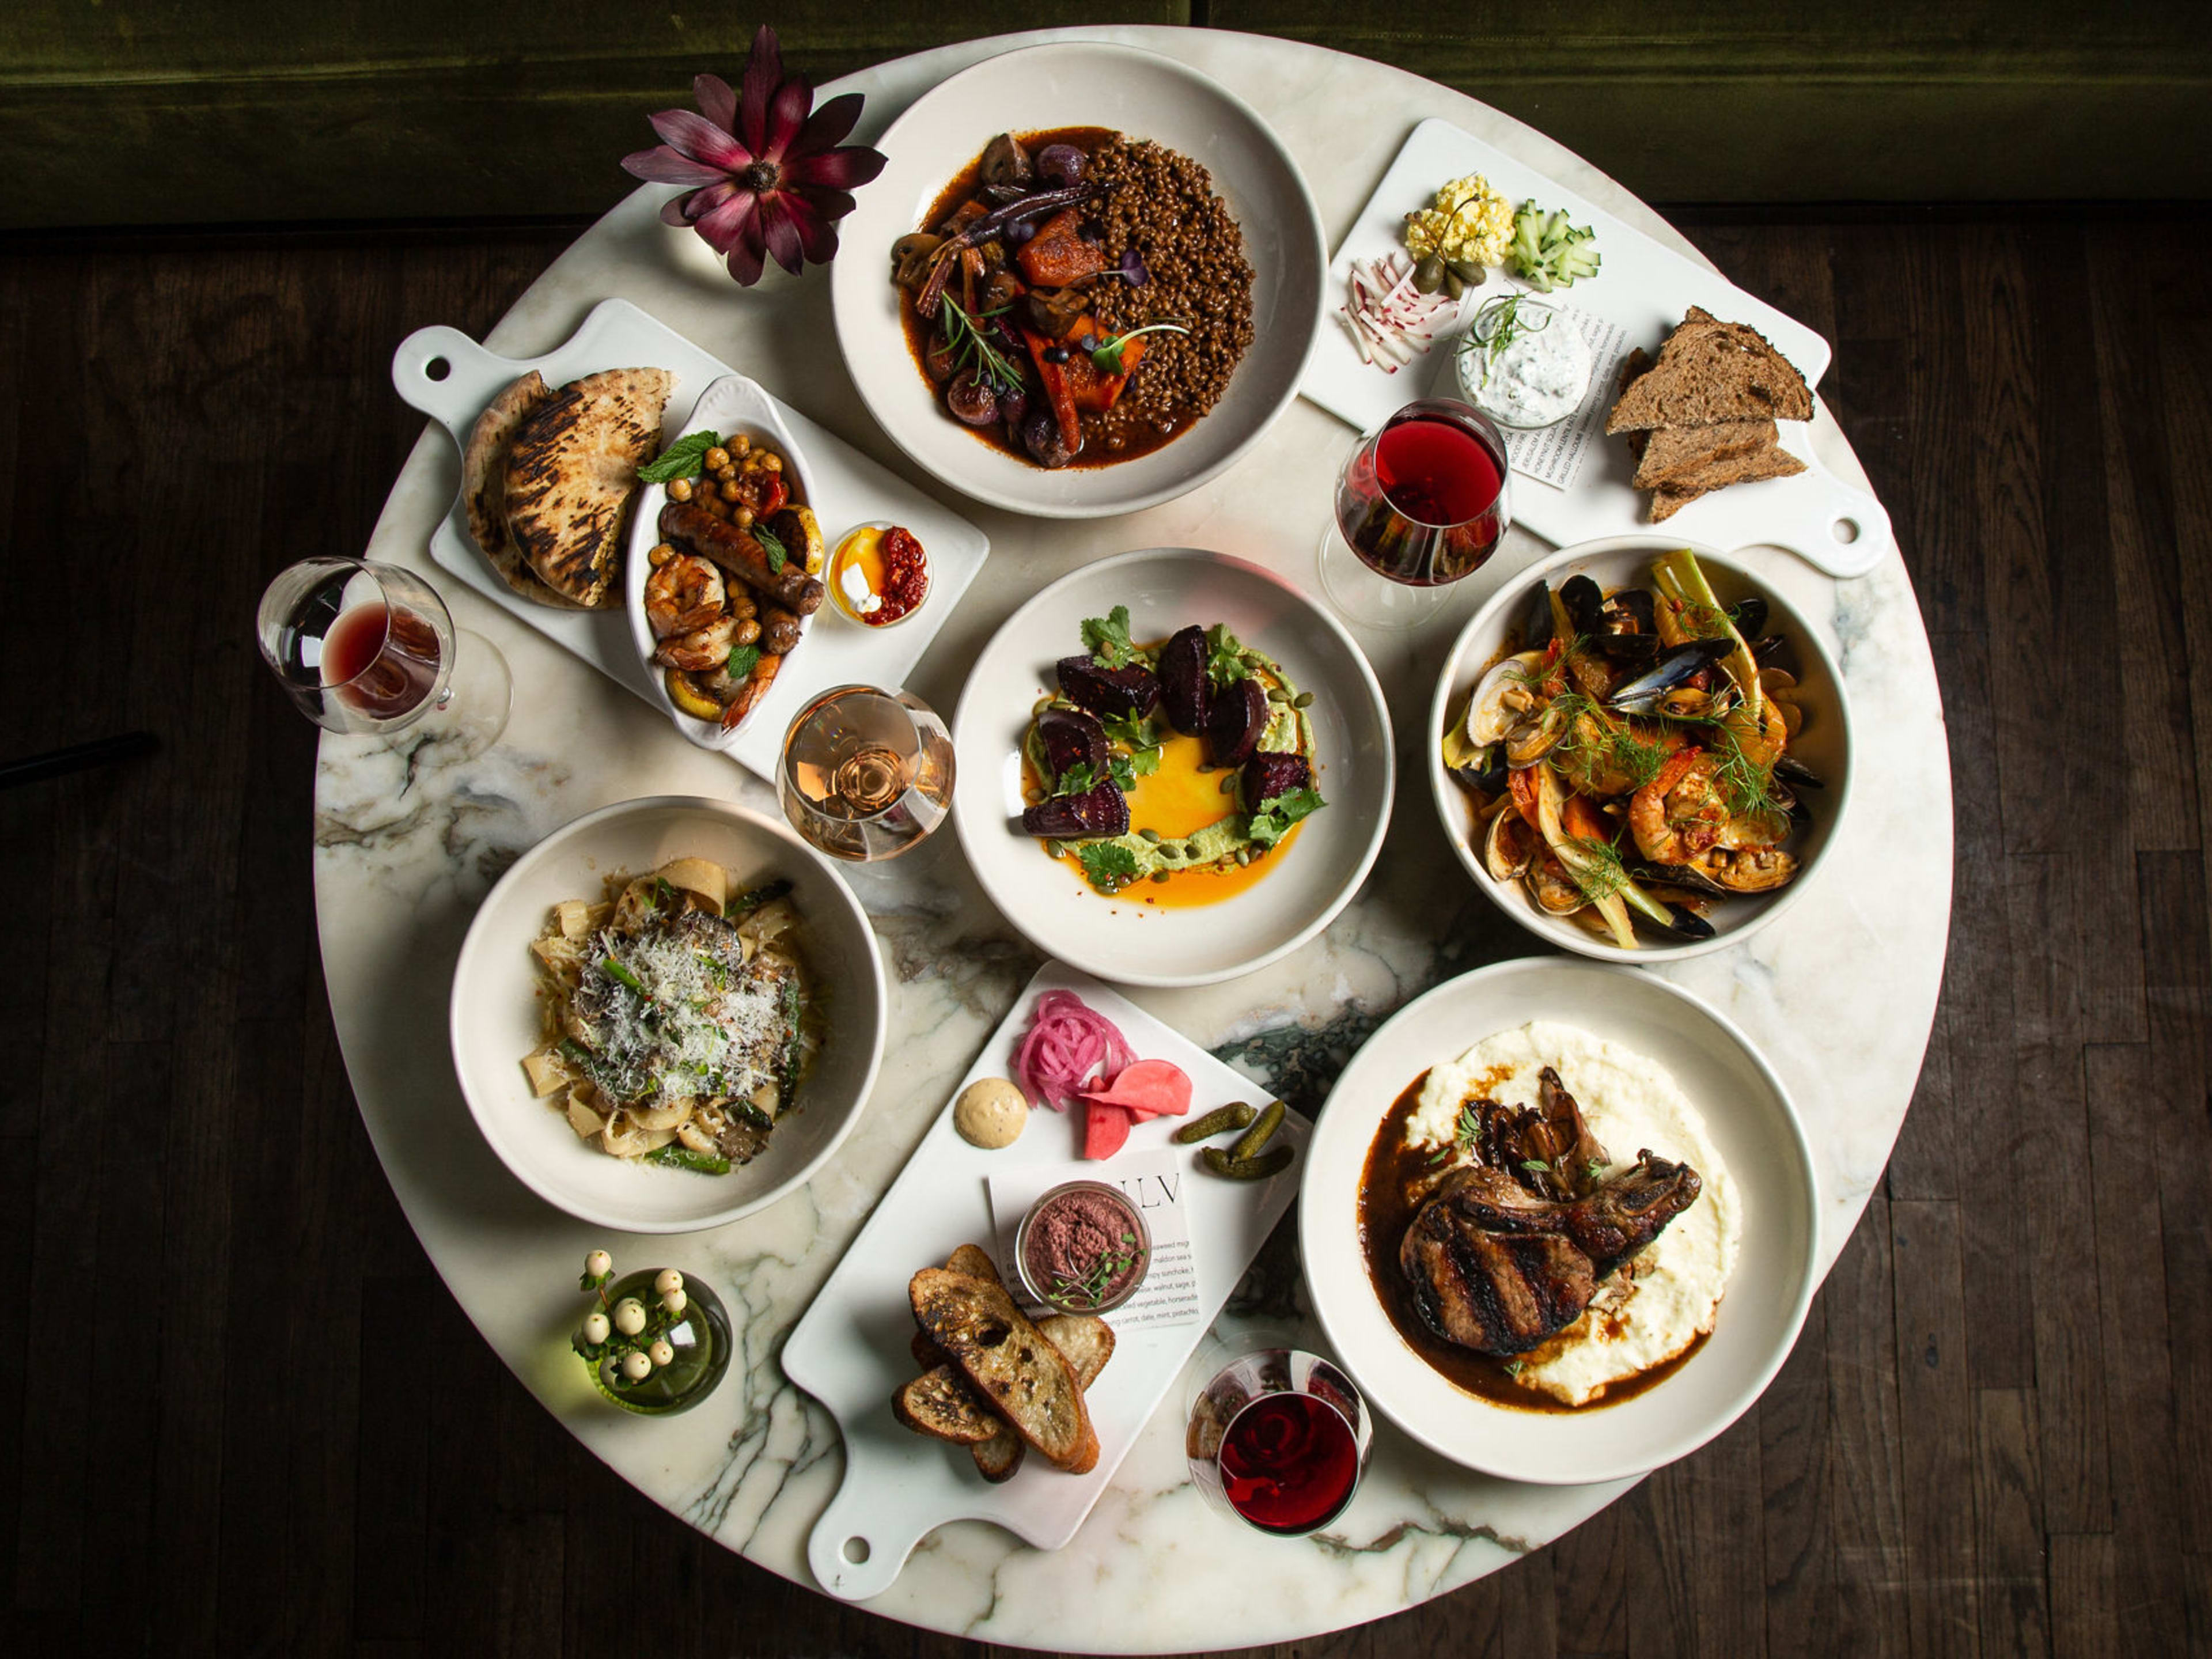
(495,1014)
(1753,1126)
(1036,88)
(731,406)
(1824,744)
(1122,939)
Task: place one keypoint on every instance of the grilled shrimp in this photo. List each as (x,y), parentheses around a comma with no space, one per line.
(701,648)
(683,597)
(1676,816)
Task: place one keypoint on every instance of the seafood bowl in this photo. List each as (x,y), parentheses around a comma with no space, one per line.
(731,406)
(1080,84)
(496,1015)
(1749,1118)
(1822,744)
(1122,938)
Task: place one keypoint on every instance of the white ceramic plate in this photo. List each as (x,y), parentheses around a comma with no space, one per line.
(731,406)
(1123,939)
(1824,744)
(1753,1125)
(495,1012)
(1080,84)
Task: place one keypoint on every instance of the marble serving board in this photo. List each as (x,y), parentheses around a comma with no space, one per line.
(1643,290)
(451,377)
(850,1351)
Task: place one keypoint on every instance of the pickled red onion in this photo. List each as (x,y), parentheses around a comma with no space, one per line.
(1067,1041)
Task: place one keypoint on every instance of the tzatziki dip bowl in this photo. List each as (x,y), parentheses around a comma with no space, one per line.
(1523,363)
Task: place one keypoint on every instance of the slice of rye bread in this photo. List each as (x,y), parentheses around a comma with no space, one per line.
(1088,1342)
(1770,463)
(1010,1363)
(1675,452)
(1708,372)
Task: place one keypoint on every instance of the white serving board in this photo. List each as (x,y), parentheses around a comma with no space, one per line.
(849,490)
(850,1350)
(1646,289)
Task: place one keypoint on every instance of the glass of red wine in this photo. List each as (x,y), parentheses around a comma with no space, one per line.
(1421,502)
(1279,1438)
(371,647)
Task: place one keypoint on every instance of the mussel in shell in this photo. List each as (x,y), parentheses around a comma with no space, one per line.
(1640,693)
(1585,604)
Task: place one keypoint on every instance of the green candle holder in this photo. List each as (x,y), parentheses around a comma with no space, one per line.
(657,1343)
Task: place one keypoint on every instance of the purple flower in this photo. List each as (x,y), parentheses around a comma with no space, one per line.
(768,176)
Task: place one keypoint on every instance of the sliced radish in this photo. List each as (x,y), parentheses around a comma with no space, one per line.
(1147,1088)
(1107,1130)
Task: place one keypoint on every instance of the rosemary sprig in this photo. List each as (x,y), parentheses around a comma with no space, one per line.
(972,348)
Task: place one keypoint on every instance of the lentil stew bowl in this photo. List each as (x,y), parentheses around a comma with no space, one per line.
(1204,197)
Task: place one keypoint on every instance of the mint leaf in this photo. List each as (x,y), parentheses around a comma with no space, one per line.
(1107,863)
(1224,656)
(1278,812)
(684,458)
(1108,638)
(771,545)
(743,660)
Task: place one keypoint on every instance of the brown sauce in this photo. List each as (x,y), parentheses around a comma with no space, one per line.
(1391,1182)
(921,334)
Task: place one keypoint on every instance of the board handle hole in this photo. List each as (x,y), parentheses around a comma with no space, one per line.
(855,1551)
(1845,531)
(436,369)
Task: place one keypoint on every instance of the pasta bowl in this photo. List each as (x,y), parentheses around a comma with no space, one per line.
(498,1017)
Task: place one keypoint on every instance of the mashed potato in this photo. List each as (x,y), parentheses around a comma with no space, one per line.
(1658,1304)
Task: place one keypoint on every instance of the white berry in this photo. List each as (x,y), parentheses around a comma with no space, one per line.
(675,1301)
(636,1367)
(598,1264)
(661,1354)
(670,1280)
(595,1327)
(629,1315)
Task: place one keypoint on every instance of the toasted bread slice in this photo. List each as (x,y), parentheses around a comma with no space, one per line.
(1770,463)
(1019,1373)
(940,1404)
(1088,1342)
(1675,452)
(926,1354)
(975,1261)
(571,472)
(1708,372)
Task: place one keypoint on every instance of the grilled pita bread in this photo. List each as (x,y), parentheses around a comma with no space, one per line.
(571,472)
(483,486)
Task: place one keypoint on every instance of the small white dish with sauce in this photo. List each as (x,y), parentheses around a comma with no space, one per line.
(1523,363)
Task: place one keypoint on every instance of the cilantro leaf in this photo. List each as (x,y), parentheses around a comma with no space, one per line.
(771,545)
(684,458)
(1278,812)
(1108,638)
(1145,761)
(1136,731)
(1123,771)
(1077,779)
(1107,863)
(743,659)
(1224,656)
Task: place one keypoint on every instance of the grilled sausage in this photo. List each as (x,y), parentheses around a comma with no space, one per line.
(737,552)
(779,632)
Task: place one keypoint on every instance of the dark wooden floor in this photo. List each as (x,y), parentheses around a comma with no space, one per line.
(238,1412)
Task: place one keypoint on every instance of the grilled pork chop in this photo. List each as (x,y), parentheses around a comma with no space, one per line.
(1496,1268)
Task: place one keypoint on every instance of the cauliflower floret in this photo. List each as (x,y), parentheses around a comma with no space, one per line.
(1469,220)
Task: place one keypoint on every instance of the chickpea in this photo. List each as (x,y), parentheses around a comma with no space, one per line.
(717,459)
(748,631)
(771,462)
(661,554)
(742,517)
(728,489)
(679,489)
(743,606)
(740,444)
(727,471)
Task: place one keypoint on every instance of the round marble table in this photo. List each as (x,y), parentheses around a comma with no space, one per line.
(1840,992)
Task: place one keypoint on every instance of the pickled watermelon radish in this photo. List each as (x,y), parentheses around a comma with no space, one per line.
(1106,1130)
(1147,1088)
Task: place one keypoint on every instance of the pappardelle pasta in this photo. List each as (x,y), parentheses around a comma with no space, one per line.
(678,1019)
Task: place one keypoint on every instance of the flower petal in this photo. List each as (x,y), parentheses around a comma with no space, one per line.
(746,257)
(715,100)
(662,166)
(763,74)
(786,115)
(778,231)
(694,135)
(731,222)
(828,205)
(838,169)
(827,125)
(817,237)
(694,205)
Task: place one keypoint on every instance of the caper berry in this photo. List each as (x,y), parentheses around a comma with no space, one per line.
(1429,275)
(1454,285)
(1470,271)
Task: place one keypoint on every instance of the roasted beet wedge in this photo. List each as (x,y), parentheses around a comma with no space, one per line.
(1268,774)
(1072,737)
(1183,688)
(1236,722)
(1108,691)
(1101,811)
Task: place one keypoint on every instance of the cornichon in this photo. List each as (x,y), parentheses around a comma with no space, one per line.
(1218,1121)
(1254,1169)
(1254,1140)
(676,1156)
